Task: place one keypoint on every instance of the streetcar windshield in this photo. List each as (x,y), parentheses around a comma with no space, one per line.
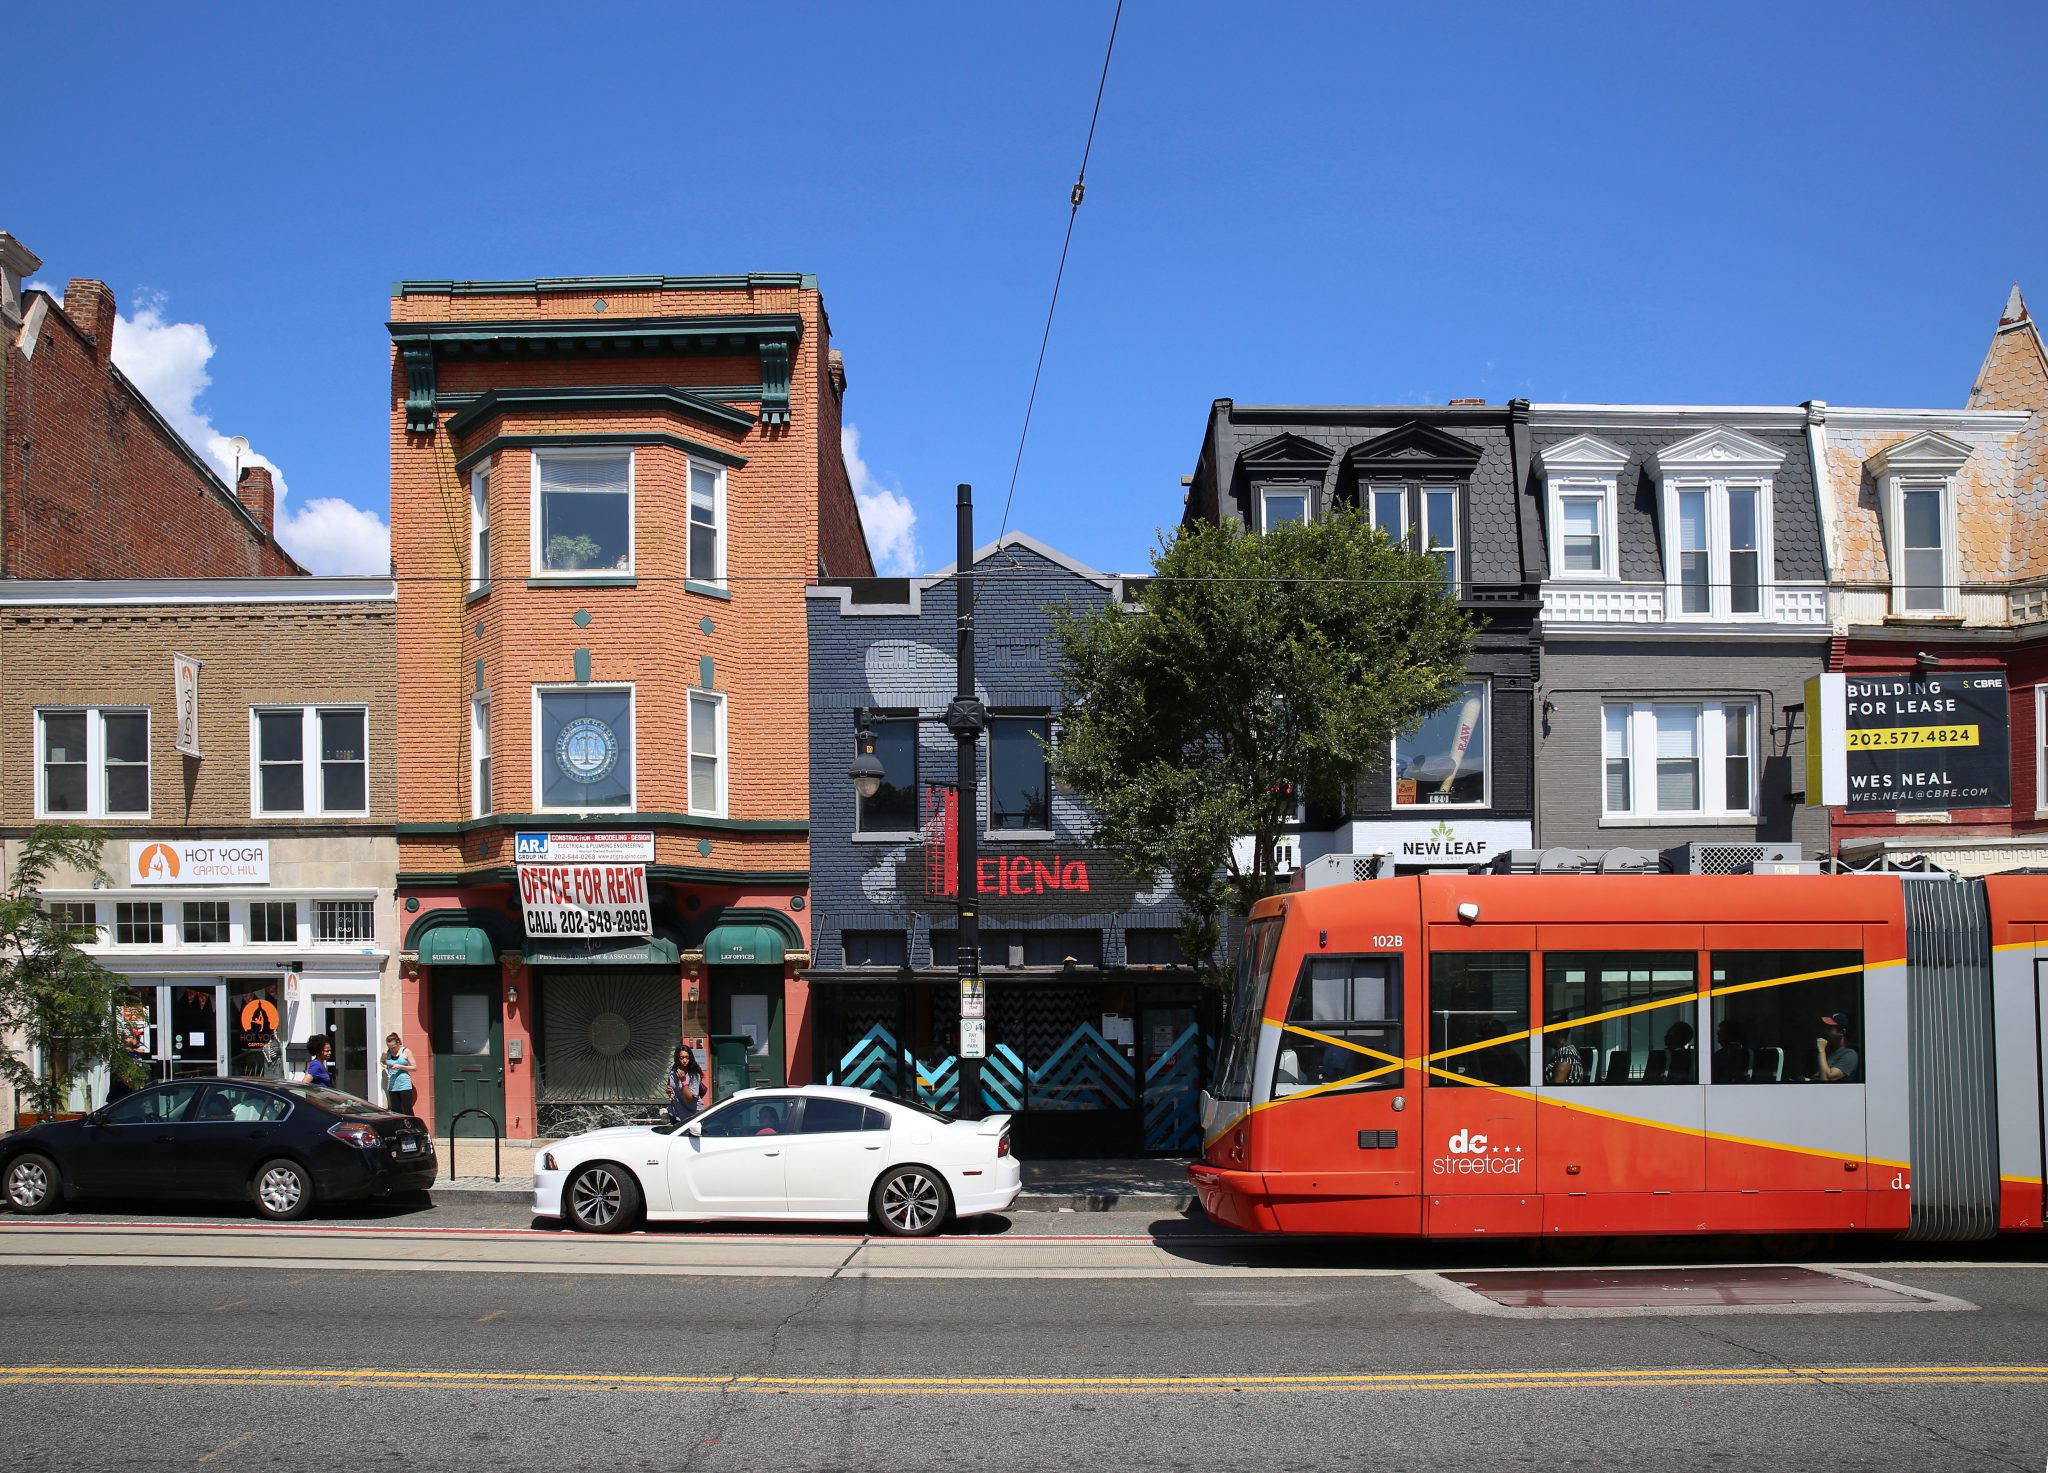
(1233,1079)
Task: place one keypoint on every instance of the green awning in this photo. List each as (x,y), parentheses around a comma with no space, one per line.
(739,943)
(630,951)
(457,946)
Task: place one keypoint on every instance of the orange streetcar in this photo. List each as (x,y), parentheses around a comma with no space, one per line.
(1447,1056)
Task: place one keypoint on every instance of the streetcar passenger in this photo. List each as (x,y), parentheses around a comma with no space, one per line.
(1563,1065)
(1836,1059)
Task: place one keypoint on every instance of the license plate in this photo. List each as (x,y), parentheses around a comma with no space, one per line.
(408,1146)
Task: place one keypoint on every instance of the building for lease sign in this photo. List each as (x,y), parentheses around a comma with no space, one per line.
(1919,742)
(577,900)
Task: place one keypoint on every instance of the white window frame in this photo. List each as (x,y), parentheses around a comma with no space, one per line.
(1414,533)
(722,754)
(95,761)
(479,752)
(1485,770)
(537,566)
(245,916)
(1584,465)
(480,527)
(1710,731)
(540,755)
(310,777)
(1292,491)
(1716,460)
(1929,461)
(2041,751)
(719,519)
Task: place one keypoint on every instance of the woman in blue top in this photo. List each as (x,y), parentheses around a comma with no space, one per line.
(320,1060)
(397,1062)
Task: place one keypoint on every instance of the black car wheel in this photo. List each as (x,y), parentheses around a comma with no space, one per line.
(911,1202)
(602,1198)
(282,1190)
(33,1184)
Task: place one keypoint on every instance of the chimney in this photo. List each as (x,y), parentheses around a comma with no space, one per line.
(16,261)
(1468,404)
(90,304)
(835,364)
(254,490)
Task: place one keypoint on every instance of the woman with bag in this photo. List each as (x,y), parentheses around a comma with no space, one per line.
(398,1066)
(685,1085)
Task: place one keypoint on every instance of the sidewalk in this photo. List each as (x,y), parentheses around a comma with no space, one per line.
(1143,1185)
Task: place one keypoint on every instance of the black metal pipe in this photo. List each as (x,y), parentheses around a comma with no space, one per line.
(968,734)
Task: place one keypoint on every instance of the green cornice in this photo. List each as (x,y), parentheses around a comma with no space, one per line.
(453,399)
(672,874)
(750,281)
(624,396)
(568,439)
(559,337)
(609,821)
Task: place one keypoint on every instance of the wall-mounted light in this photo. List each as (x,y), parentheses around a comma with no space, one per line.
(511,995)
(1468,911)
(866,772)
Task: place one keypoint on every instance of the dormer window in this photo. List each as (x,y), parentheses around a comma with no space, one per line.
(1580,478)
(1420,516)
(1282,506)
(1279,478)
(1717,524)
(1919,477)
(1410,482)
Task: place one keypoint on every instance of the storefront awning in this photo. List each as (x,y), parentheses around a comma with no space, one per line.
(740,943)
(457,946)
(632,951)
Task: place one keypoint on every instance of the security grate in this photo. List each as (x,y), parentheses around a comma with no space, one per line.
(1727,859)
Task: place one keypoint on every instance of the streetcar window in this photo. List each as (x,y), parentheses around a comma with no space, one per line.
(1770,1031)
(1479,1018)
(1344,1026)
(1247,1006)
(1625,1017)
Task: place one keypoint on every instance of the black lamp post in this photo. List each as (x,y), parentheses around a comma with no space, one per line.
(966,718)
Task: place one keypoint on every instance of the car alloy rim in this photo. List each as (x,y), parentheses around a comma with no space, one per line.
(911,1201)
(596,1198)
(280,1189)
(28,1184)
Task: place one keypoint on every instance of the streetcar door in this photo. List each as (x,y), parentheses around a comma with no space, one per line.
(1342,1051)
(1479,1120)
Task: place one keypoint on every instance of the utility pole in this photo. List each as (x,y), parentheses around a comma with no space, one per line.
(967,718)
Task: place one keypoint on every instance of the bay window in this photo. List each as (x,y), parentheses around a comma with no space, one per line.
(707,524)
(582,512)
(479,529)
(707,752)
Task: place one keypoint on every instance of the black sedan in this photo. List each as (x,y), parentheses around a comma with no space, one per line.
(281,1146)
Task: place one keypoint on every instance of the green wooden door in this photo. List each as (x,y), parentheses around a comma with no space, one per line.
(748,1000)
(469,1050)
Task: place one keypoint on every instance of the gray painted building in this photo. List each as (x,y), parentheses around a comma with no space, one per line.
(1684,608)
(1093,1033)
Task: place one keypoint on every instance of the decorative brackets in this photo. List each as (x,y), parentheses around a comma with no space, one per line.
(775,383)
(419,388)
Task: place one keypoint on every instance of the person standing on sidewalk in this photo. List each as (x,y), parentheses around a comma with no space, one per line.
(398,1066)
(320,1060)
(685,1085)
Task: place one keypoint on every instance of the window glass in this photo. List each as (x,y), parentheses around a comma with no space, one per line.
(205,923)
(875,948)
(893,809)
(153,1106)
(1284,508)
(1921,509)
(1615,721)
(873,1119)
(1443,761)
(274,921)
(1019,780)
(1605,1012)
(1440,529)
(80,915)
(586,513)
(138,922)
(348,922)
(1695,562)
(834,1117)
(1254,972)
(480,756)
(469,1024)
(1390,511)
(1582,534)
(1678,759)
(333,1101)
(1744,567)
(236,1104)
(586,749)
(480,529)
(705,754)
(1478,1001)
(126,735)
(64,783)
(281,756)
(1154,946)
(344,766)
(1778,1014)
(705,564)
(750,1117)
(1344,1026)
(1736,757)
(252,1022)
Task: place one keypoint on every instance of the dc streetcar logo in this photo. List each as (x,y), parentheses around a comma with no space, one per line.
(1472,1154)
(587,750)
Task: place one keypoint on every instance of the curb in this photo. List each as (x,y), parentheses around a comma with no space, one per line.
(1167,1203)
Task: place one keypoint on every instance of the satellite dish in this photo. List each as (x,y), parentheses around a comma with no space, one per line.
(239,445)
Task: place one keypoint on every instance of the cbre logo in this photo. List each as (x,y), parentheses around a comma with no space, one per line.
(157,862)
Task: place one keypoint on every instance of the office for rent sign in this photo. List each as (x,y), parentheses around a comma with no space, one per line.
(574,900)
(1923,742)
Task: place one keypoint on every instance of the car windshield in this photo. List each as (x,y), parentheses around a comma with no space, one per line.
(333,1100)
(939,1115)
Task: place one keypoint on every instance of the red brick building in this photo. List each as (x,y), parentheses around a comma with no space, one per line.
(607,497)
(93,482)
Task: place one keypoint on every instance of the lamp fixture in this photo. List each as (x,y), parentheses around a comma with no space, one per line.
(866,771)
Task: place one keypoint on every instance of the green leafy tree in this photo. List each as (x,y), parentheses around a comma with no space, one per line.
(1262,666)
(54,999)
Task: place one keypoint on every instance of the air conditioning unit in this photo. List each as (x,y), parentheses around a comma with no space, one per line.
(1563,861)
(1713,857)
(1337,869)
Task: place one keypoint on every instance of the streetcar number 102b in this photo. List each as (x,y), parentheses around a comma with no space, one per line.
(1388,943)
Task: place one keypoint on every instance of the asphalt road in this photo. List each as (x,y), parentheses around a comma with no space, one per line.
(1233,1355)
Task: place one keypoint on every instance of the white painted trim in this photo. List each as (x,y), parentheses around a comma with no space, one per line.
(1907,419)
(723,755)
(720,520)
(1293,490)
(536,748)
(87,592)
(1823,489)
(1895,485)
(95,762)
(536,570)
(1582,455)
(2040,751)
(1579,485)
(479,523)
(479,722)
(1710,735)
(309,759)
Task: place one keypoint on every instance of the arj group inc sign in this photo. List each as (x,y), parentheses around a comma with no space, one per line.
(1922,742)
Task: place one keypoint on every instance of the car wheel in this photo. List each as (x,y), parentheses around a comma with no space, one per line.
(911,1202)
(33,1184)
(602,1199)
(283,1191)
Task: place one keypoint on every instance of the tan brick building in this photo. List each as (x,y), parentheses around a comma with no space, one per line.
(607,497)
(252,885)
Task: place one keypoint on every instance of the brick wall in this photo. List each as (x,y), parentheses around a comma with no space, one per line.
(97,485)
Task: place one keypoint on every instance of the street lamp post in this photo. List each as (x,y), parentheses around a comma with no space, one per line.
(966,718)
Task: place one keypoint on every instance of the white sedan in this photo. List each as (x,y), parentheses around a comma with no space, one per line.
(818,1153)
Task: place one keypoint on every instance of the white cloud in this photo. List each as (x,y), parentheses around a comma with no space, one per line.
(167,362)
(885,513)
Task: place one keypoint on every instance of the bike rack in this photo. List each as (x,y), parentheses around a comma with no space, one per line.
(497,1141)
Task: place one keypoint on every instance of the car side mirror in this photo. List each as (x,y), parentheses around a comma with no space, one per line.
(693,1128)
(97,1117)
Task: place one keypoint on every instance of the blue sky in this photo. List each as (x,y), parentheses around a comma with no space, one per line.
(1297,203)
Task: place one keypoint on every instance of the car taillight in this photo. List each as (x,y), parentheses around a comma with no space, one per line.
(1002,1146)
(353,1135)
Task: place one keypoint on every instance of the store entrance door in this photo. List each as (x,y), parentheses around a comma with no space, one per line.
(347,1021)
(182,1027)
(1170,1056)
(748,1000)
(469,1050)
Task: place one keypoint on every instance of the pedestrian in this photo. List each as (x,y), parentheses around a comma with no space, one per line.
(398,1066)
(685,1085)
(320,1060)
